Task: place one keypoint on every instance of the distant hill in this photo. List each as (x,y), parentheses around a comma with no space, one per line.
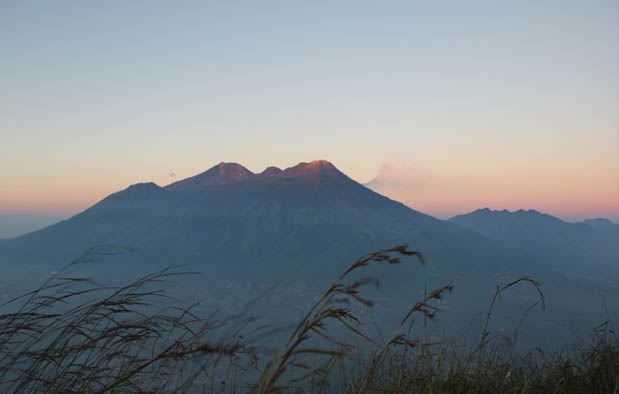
(601,223)
(592,243)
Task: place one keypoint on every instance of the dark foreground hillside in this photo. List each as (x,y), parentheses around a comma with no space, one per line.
(74,335)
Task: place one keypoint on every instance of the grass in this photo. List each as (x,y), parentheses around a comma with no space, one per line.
(75,335)
(446,368)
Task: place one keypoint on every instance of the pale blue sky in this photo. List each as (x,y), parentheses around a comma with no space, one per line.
(98,95)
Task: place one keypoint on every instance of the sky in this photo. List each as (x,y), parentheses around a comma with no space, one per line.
(446,106)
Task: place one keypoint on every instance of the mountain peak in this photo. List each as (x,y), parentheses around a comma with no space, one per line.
(139,192)
(221,174)
(320,164)
(144,186)
(270,172)
(315,169)
(231,171)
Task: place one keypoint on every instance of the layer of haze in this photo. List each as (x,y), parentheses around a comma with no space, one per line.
(455,105)
(18,224)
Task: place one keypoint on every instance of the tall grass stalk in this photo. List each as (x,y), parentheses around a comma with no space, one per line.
(331,306)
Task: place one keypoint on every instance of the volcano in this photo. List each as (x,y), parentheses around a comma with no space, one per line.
(307,220)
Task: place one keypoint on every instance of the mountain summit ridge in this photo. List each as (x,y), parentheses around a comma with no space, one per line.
(545,233)
(230,173)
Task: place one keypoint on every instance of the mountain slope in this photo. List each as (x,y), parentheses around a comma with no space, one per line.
(310,219)
(547,236)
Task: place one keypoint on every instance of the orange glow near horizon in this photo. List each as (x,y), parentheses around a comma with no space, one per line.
(570,191)
(438,188)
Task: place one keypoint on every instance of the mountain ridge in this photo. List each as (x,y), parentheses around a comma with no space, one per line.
(546,234)
(306,218)
(234,173)
(290,219)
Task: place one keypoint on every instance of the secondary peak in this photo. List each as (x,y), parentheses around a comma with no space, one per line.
(220,174)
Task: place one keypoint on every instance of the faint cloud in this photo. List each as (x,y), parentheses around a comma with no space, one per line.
(399,177)
(172,174)
(484,147)
(404,182)
(443,189)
